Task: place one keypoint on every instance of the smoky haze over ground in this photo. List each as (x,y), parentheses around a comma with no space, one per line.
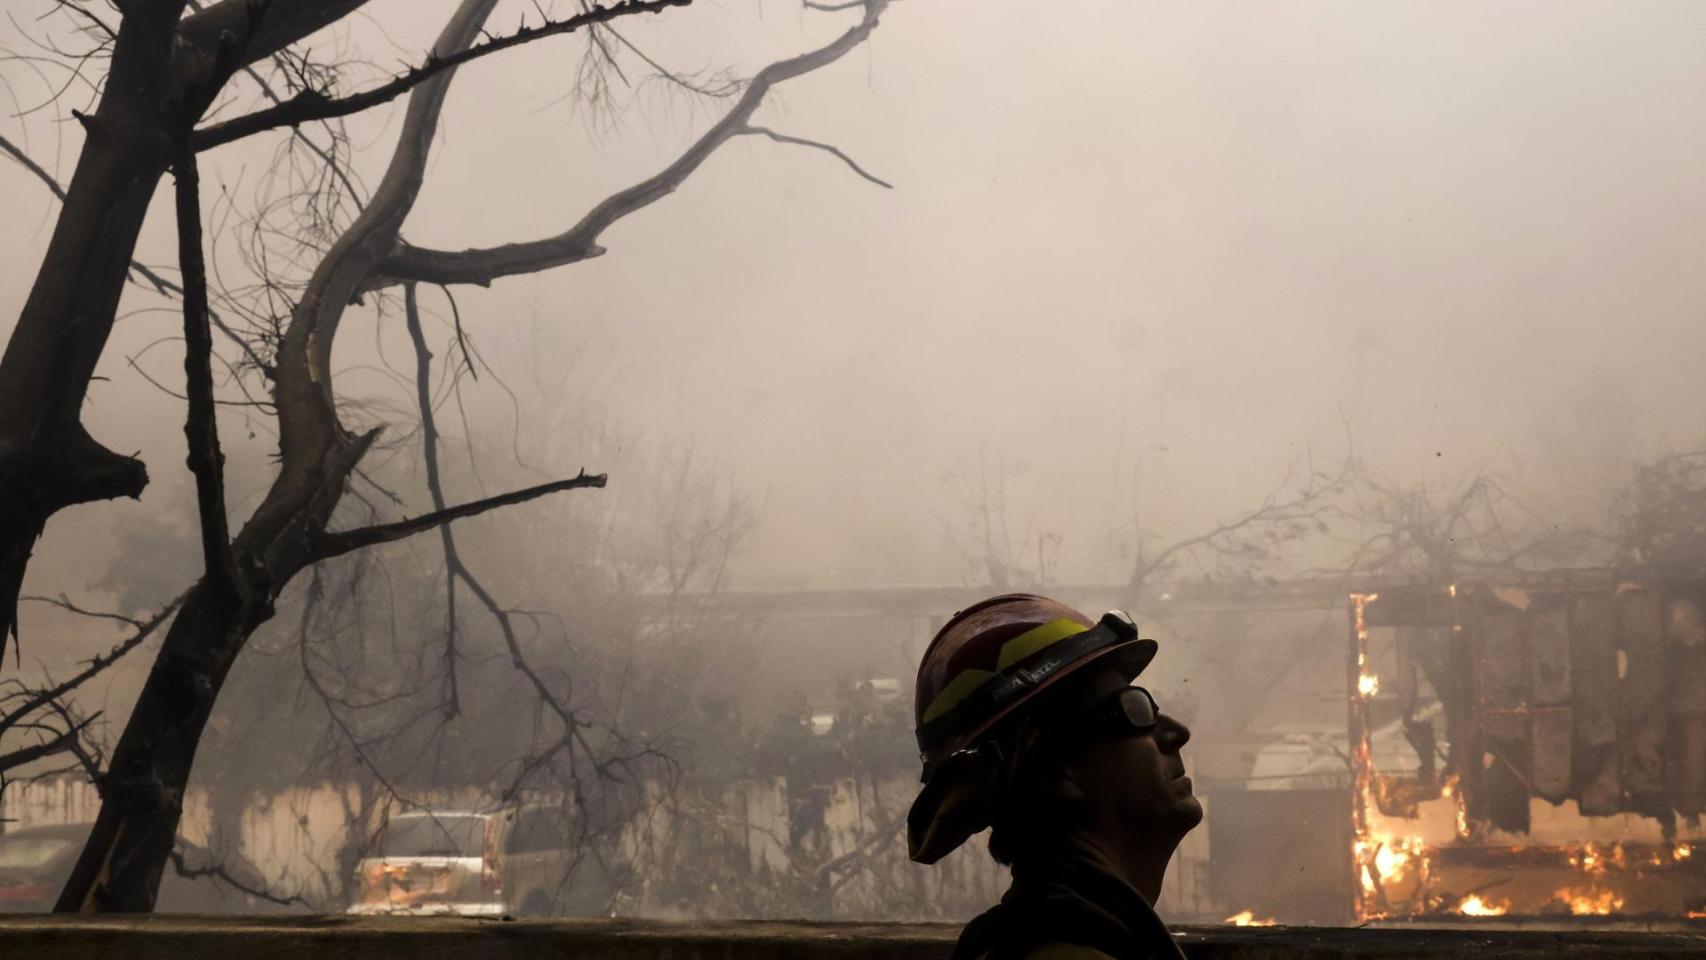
(1138,257)
(1140,261)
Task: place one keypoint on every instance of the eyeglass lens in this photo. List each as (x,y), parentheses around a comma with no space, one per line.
(1139,707)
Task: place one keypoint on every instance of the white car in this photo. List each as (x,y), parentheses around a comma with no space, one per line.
(517,861)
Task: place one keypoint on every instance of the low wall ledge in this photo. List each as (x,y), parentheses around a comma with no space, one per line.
(431,938)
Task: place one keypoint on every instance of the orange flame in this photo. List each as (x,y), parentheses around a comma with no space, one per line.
(1246,918)
(1474,906)
(1591,902)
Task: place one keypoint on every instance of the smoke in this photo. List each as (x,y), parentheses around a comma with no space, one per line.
(1143,265)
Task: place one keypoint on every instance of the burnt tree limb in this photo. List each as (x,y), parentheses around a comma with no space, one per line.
(313,104)
(481,266)
(206,460)
(337,544)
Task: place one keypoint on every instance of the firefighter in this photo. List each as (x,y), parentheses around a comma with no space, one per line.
(1029,724)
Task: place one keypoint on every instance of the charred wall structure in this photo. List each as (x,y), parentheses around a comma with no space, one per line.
(1583,689)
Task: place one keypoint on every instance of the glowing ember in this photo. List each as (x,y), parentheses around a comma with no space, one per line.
(1245,918)
(1591,903)
(1368,685)
(1589,859)
(1474,906)
(1682,852)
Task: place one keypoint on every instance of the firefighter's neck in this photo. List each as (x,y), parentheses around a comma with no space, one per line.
(1138,857)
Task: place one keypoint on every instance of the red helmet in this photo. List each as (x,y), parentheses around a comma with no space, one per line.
(983,665)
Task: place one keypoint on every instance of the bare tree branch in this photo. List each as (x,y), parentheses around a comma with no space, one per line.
(219,872)
(834,151)
(62,742)
(94,667)
(160,284)
(33,167)
(435,488)
(336,544)
(1285,514)
(64,603)
(201,424)
(314,104)
(580,242)
(283,23)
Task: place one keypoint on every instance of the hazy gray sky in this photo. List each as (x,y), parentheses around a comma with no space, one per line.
(1474,228)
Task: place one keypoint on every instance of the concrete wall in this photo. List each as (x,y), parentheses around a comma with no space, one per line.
(339,938)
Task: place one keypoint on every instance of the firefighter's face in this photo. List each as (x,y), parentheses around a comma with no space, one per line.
(1141,776)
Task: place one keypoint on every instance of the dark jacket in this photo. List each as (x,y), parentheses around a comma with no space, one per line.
(1069,904)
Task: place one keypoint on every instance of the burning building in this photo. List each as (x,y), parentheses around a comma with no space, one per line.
(1533,748)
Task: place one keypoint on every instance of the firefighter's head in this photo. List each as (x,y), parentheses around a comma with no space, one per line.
(1028,723)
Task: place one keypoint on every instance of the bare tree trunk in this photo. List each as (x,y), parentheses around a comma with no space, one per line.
(141,798)
(47,460)
(142,792)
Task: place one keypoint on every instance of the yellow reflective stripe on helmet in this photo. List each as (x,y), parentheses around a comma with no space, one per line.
(957,689)
(1036,639)
(1013,651)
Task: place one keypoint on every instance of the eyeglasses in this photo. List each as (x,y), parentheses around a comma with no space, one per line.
(1126,713)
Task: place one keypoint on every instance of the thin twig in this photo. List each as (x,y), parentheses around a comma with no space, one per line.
(827,148)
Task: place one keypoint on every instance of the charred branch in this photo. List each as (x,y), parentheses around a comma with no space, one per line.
(66,740)
(337,544)
(36,701)
(280,24)
(481,266)
(201,425)
(435,488)
(218,871)
(314,104)
(827,148)
(160,284)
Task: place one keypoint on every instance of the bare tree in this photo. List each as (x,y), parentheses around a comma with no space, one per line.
(1296,508)
(166,64)
(1662,514)
(983,536)
(1481,524)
